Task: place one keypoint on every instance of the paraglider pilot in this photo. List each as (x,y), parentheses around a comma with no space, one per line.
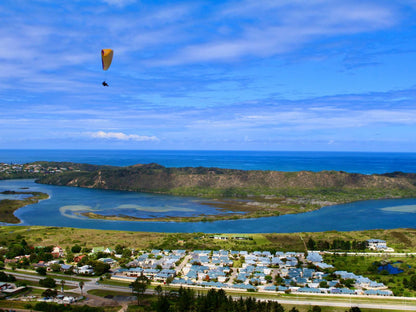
(106,58)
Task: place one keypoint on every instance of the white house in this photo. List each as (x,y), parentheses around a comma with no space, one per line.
(378,244)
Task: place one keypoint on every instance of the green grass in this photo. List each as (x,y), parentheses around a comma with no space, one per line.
(115,283)
(103,293)
(402,240)
(9,206)
(360,266)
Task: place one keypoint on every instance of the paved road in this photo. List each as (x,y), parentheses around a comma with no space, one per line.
(404,304)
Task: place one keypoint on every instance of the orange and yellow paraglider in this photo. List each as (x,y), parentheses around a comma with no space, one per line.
(106,59)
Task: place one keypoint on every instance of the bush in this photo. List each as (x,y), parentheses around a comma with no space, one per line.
(76,249)
(48,282)
(41,271)
(50,293)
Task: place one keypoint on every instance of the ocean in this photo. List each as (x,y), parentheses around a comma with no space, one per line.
(354,162)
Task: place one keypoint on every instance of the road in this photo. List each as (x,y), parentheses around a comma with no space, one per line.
(402,303)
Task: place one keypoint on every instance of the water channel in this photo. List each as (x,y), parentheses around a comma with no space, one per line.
(65,203)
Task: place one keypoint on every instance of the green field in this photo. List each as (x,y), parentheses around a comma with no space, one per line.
(402,240)
(9,206)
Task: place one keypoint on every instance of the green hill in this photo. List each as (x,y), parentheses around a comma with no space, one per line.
(257,193)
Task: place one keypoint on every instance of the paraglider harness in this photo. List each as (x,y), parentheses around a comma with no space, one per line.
(105,84)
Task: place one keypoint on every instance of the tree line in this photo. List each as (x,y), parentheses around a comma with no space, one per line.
(188,300)
(336,244)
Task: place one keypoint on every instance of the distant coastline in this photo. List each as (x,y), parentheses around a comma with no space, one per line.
(65,204)
(239,193)
(288,161)
(246,193)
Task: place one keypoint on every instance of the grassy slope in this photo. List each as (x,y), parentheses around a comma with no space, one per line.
(9,206)
(265,193)
(403,240)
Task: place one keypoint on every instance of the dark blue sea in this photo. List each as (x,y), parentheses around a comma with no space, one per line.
(354,162)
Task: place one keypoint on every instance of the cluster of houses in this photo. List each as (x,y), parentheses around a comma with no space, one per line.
(60,299)
(263,271)
(31,168)
(259,271)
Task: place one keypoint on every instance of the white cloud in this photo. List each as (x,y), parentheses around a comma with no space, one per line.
(122,136)
(119,3)
(275,28)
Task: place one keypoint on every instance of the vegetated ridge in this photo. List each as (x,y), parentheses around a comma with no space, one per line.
(265,193)
(157,178)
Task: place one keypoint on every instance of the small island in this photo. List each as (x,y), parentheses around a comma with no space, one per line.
(9,206)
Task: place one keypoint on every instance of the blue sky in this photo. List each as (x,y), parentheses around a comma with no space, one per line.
(318,75)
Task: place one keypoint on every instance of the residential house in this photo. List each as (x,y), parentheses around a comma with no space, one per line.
(57,252)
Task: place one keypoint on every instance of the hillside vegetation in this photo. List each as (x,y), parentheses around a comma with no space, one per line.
(254,192)
(9,206)
(402,240)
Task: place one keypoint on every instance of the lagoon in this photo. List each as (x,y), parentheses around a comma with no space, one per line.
(65,203)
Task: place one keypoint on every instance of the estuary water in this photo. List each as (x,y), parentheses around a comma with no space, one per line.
(65,204)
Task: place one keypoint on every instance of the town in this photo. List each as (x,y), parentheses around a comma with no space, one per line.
(32,168)
(258,271)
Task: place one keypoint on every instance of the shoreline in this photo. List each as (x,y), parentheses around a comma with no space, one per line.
(9,206)
(251,207)
(247,194)
(227,205)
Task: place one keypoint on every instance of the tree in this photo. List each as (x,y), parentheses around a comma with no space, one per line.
(55,267)
(81,286)
(311,244)
(159,290)
(323,284)
(48,282)
(50,293)
(278,279)
(412,282)
(119,249)
(69,256)
(100,267)
(76,249)
(162,304)
(41,271)
(6,277)
(126,253)
(138,287)
(86,250)
(62,285)
(349,282)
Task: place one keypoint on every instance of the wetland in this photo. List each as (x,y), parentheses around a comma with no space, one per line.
(66,206)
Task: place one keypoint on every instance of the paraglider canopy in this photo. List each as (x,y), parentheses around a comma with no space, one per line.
(106,58)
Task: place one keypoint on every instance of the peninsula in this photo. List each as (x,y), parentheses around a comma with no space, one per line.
(9,206)
(248,193)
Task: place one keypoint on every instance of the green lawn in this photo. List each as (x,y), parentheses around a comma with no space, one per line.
(402,240)
(361,265)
